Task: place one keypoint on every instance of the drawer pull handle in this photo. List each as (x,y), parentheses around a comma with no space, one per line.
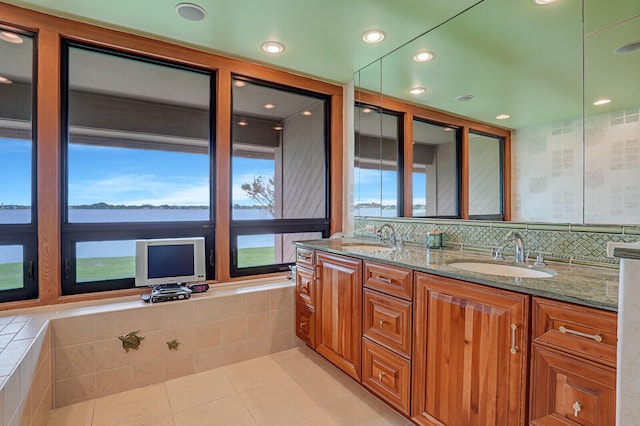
(380,375)
(384,280)
(576,408)
(514,348)
(381,322)
(597,337)
(302,324)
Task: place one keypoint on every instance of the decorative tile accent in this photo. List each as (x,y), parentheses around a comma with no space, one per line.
(565,243)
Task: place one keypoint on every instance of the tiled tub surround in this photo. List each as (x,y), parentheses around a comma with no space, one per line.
(587,286)
(579,244)
(25,369)
(76,355)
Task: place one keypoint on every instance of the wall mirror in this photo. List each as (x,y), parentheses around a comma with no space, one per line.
(543,66)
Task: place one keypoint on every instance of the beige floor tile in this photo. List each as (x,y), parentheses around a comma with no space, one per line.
(190,391)
(255,372)
(76,414)
(222,412)
(284,403)
(148,405)
(363,410)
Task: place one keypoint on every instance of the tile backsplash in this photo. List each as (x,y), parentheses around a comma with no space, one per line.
(567,243)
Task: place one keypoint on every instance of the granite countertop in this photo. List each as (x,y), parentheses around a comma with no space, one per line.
(583,285)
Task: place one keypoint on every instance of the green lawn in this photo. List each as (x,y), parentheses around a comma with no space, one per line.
(257,256)
(105,268)
(109,268)
(10,276)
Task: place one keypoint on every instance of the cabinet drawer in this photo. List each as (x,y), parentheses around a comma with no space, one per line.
(387,375)
(567,390)
(389,279)
(305,288)
(304,256)
(587,332)
(306,323)
(387,321)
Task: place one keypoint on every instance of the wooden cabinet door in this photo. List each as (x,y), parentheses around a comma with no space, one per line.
(568,390)
(469,364)
(305,288)
(338,313)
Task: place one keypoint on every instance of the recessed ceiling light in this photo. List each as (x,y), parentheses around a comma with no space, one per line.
(191,11)
(273,47)
(242,123)
(277,128)
(464,98)
(424,56)
(502,116)
(366,110)
(543,2)
(11,37)
(602,102)
(628,48)
(307,113)
(269,106)
(417,90)
(373,36)
(5,80)
(239,83)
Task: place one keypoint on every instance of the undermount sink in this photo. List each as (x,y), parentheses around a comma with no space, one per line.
(502,269)
(372,247)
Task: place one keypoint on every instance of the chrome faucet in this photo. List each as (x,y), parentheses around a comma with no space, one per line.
(392,234)
(519,247)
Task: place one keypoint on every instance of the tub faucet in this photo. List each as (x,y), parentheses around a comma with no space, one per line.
(519,247)
(392,234)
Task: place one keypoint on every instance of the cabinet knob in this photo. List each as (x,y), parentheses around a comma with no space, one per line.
(381,322)
(302,324)
(576,408)
(380,375)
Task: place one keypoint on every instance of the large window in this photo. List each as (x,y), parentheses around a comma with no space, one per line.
(486,156)
(137,162)
(378,166)
(279,174)
(436,170)
(18,228)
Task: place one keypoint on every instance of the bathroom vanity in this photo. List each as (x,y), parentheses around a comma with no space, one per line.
(444,345)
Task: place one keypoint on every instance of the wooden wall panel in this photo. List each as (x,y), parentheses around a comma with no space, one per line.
(48,168)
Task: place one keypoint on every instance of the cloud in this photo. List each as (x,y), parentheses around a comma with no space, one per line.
(137,189)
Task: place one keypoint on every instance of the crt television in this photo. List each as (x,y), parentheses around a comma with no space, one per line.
(169,261)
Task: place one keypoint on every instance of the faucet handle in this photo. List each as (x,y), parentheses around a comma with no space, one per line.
(540,259)
(498,254)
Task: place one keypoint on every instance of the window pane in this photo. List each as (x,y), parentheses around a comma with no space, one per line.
(105,260)
(270,249)
(485,175)
(16,147)
(138,141)
(376,163)
(435,170)
(278,166)
(11,271)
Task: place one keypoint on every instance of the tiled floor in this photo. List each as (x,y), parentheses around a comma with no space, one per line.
(294,387)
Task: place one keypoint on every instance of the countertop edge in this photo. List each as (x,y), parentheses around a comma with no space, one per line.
(473,277)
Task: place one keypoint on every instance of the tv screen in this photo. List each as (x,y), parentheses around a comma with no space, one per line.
(170,261)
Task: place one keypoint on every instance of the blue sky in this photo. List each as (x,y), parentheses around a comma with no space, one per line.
(134,177)
(125,176)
